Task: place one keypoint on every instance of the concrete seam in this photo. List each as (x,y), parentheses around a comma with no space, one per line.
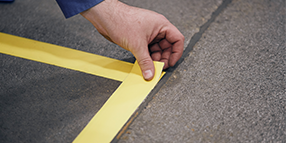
(197,36)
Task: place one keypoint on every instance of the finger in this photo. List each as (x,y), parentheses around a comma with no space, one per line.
(164,44)
(155,48)
(174,36)
(165,57)
(158,38)
(156,56)
(145,62)
(176,54)
(156,52)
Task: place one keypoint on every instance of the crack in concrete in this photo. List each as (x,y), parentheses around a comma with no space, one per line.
(195,39)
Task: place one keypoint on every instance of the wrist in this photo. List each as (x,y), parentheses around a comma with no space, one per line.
(102,14)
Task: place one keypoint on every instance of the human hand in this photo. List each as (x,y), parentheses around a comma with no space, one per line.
(146,34)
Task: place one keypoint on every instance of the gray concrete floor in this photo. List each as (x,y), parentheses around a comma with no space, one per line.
(229,88)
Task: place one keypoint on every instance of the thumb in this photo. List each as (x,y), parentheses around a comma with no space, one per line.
(146,64)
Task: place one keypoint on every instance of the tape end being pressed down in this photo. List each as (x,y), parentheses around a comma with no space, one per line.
(113,115)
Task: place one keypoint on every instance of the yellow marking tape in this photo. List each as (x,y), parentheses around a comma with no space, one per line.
(119,107)
(107,122)
(64,57)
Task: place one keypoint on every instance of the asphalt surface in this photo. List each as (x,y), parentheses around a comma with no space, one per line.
(230,87)
(44,103)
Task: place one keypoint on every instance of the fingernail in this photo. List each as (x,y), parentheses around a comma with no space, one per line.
(147,74)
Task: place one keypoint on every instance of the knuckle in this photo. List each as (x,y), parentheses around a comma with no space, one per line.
(144,62)
(183,37)
(162,16)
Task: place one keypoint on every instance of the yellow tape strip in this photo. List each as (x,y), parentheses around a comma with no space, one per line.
(64,57)
(104,126)
(120,106)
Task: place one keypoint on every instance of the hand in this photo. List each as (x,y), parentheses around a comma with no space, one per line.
(146,34)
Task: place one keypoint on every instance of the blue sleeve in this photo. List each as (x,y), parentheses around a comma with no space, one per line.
(73,7)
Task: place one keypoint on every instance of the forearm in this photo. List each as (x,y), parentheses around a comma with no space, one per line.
(74,7)
(112,17)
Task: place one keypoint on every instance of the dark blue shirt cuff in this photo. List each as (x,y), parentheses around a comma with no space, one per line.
(73,7)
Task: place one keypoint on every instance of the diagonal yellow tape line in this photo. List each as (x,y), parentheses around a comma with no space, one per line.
(108,121)
(64,57)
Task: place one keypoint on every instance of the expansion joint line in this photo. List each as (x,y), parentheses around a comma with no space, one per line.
(194,40)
